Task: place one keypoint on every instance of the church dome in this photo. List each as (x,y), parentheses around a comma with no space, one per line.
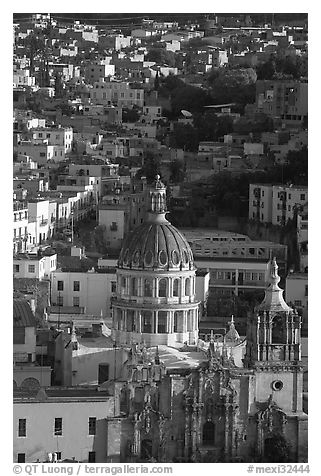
(156,244)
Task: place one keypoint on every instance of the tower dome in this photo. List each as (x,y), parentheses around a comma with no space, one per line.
(155,299)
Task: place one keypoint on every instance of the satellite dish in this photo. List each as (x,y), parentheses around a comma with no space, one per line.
(186,113)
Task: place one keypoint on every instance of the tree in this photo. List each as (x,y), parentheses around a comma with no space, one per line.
(185,137)
(130,115)
(266,70)
(190,98)
(150,168)
(232,85)
(177,171)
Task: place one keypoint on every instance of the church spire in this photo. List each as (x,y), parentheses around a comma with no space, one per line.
(273,299)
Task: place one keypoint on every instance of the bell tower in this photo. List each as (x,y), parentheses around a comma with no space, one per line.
(274,330)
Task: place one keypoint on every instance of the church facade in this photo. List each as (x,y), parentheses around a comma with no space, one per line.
(200,406)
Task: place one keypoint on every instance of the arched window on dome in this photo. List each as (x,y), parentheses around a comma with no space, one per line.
(123,285)
(162,287)
(190,320)
(130,323)
(148,288)
(178,321)
(176,287)
(187,287)
(133,287)
(147,321)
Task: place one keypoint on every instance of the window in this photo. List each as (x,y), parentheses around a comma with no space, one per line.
(306,290)
(60,286)
(16,268)
(21,457)
(302,196)
(19,335)
(75,301)
(22,427)
(113,286)
(103,373)
(60,301)
(92,426)
(148,289)
(76,286)
(298,302)
(162,320)
(147,321)
(162,287)
(58,427)
(92,457)
(31,268)
(175,287)
(42,154)
(187,287)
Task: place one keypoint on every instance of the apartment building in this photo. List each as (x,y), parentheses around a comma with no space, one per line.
(45,424)
(95,72)
(20,226)
(275,204)
(296,289)
(285,99)
(34,265)
(302,237)
(91,290)
(119,93)
(61,136)
(41,152)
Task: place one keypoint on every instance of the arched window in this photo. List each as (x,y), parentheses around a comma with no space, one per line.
(278,330)
(190,321)
(30,383)
(134,287)
(147,321)
(178,321)
(162,322)
(123,285)
(162,287)
(187,286)
(209,433)
(148,288)
(130,320)
(175,322)
(176,288)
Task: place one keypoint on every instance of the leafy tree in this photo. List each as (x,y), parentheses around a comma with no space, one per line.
(177,171)
(130,115)
(266,70)
(161,56)
(191,98)
(210,126)
(184,137)
(261,123)
(232,85)
(150,168)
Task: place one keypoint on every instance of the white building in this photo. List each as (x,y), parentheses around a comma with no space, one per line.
(61,136)
(120,93)
(32,265)
(275,204)
(41,152)
(45,423)
(296,289)
(91,290)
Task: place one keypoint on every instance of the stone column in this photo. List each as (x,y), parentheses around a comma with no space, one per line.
(227,431)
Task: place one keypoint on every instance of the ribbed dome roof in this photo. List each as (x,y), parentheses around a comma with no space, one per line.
(156,244)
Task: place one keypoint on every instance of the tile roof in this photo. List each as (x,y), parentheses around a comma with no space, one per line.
(22,314)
